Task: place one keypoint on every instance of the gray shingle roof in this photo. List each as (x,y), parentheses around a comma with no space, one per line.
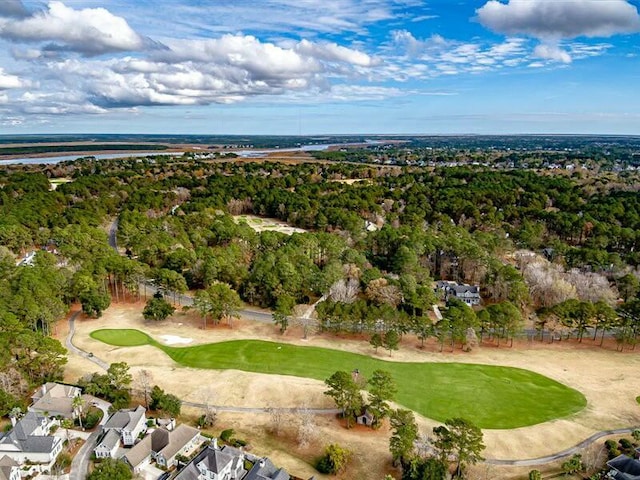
(22,435)
(110,440)
(56,399)
(626,468)
(214,460)
(138,453)
(125,419)
(266,470)
(178,438)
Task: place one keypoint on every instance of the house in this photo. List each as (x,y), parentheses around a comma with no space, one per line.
(29,440)
(55,399)
(263,469)
(163,446)
(9,469)
(215,463)
(178,442)
(139,456)
(108,445)
(129,424)
(469,294)
(228,463)
(624,468)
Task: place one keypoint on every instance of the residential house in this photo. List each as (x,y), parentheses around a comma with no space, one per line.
(9,469)
(228,463)
(139,456)
(624,468)
(215,463)
(108,445)
(173,443)
(163,446)
(469,294)
(263,469)
(55,399)
(129,424)
(29,440)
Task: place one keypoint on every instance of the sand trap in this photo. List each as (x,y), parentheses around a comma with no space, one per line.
(175,340)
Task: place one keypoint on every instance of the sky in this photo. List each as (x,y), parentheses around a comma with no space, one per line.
(312,67)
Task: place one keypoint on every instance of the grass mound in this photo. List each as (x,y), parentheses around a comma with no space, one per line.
(490,396)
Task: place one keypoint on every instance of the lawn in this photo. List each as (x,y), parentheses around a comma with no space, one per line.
(490,396)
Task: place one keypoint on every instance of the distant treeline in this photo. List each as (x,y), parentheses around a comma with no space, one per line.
(30,150)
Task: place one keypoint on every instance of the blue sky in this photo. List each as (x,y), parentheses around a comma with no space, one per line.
(313,67)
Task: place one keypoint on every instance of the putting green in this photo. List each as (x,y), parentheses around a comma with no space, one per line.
(490,396)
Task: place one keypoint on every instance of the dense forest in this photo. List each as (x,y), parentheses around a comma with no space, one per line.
(554,249)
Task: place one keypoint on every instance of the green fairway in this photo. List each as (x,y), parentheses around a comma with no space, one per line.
(489,396)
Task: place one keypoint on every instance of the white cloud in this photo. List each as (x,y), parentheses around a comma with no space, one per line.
(551,52)
(410,57)
(559,19)
(90,31)
(9,81)
(333,52)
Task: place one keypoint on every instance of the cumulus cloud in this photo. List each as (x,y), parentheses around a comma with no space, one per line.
(12,8)
(9,81)
(90,31)
(223,70)
(553,19)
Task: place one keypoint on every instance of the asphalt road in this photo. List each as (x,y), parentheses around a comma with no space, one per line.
(80,463)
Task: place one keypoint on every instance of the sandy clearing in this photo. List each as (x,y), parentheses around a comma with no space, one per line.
(175,340)
(262,224)
(608,379)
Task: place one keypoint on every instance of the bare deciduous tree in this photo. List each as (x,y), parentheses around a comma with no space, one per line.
(276,420)
(306,427)
(345,291)
(144,379)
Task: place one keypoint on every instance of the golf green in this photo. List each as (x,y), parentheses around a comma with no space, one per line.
(490,396)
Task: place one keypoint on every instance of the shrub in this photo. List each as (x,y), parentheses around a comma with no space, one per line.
(610,445)
(63,461)
(226,435)
(626,443)
(334,460)
(92,418)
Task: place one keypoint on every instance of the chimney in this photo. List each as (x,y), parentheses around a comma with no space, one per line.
(43,389)
(214,443)
(261,463)
(14,420)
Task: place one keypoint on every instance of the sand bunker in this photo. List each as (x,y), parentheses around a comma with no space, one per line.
(175,340)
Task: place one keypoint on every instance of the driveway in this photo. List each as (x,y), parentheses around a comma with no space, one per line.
(80,463)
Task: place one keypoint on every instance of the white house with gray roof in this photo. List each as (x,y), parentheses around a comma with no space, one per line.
(163,446)
(108,445)
(228,463)
(30,440)
(129,424)
(469,294)
(55,399)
